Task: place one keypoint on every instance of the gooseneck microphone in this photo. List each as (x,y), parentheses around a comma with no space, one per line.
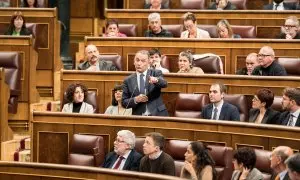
(130,98)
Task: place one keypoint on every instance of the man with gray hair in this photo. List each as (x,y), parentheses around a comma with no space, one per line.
(124,157)
(277,158)
(293,165)
(155,29)
(291,28)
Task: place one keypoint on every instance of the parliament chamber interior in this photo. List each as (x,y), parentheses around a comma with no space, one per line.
(72,80)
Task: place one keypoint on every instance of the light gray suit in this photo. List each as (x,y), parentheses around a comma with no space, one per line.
(84,109)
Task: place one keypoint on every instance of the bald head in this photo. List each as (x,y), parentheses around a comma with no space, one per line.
(278,156)
(266,56)
(284,150)
(251,62)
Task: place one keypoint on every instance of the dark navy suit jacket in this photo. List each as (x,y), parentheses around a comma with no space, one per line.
(271,116)
(286,6)
(228,112)
(284,119)
(132,162)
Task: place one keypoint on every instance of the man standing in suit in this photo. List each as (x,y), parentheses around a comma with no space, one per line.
(94,63)
(280,5)
(277,158)
(218,109)
(142,90)
(291,105)
(124,157)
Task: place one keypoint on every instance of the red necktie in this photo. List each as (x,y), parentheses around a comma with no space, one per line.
(119,162)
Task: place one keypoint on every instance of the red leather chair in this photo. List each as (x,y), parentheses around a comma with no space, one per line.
(263,163)
(277,104)
(91,99)
(175,29)
(190,105)
(86,150)
(165,63)
(209,63)
(211,29)
(192,4)
(240,4)
(139,141)
(240,101)
(128,29)
(291,65)
(244,31)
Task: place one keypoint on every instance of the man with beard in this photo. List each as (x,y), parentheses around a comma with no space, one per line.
(155,29)
(218,109)
(291,105)
(94,63)
(124,157)
(280,5)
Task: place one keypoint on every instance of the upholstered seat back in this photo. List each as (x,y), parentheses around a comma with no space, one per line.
(291,65)
(91,99)
(192,4)
(190,105)
(139,141)
(277,104)
(263,162)
(209,63)
(86,150)
(175,29)
(11,62)
(211,29)
(244,31)
(240,4)
(128,29)
(240,101)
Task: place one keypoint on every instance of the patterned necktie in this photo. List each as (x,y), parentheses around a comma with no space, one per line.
(119,162)
(291,120)
(142,84)
(215,114)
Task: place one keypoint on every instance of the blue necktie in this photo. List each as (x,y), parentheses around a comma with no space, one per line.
(142,84)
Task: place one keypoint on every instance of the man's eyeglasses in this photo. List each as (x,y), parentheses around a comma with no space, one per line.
(263,55)
(289,26)
(118,141)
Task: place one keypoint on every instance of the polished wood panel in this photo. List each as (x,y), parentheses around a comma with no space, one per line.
(233,52)
(229,133)
(5,131)
(43,171)
(47,40)
(260,19)
(103,83)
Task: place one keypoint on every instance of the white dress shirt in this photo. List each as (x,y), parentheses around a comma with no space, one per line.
(125,156)
(219,107)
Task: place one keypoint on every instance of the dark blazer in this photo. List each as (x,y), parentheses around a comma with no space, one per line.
(271,116)
(284,119)
(23,32)
(132,163)
(103,66)
(228,112)
(286,6)
(229,6)
(155,104)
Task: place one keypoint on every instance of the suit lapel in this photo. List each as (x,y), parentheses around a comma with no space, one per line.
(147,85)
(128,160)
(286,119)
(298,121)
(266,116)
(135,84)
(222,113)
(113,160)
(209,110)
(82,107)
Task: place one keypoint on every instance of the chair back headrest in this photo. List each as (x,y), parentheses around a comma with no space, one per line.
(192,4)
(240,101)
(175,29)
(139,141)
(244,31)
(277,104)
(211,29)
(91,99)
(114,58)
(128,29)
(240,4)
(176,148)
(209,63)
(263,162)
(165,63)
(32,28)
(85,144)
(291,65)
(190,105)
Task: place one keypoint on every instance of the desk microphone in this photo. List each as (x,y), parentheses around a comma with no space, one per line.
(130,99)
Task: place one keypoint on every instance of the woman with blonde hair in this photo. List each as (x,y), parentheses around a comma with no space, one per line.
(224,30)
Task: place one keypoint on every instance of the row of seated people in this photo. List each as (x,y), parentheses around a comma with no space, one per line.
(221,4)
(190,160)
(261,64)
(25,3)
(223,29)
(217,105)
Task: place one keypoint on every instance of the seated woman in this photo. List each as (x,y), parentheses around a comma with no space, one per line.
(155,5)
(30,3)
(185,64)
(198,163)
(261,104)
(244,160)
(17,25)
(225,31)
(222,5)
(155,60)
(190,24)
(76,95)
(116,108)
(112,29)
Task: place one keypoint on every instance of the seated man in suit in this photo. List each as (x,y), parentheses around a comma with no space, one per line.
(291,105)
(291,28)
(251,63)
(142,90)
(280,5)
(293,165)
(267,65)
(155,160)
(218,109)
(222,5)
(94,63)
(155,29)
(277,158)
(156,5)
(124,157)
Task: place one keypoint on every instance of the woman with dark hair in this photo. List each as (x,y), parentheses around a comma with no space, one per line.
(76,94)
(244,160)
(112,29)
(224,30)
(17,25)
(117,108)
(261,111)
(192,31)
(198,163)
(30,3)
(185,63)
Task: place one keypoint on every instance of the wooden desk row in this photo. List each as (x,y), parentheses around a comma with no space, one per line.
(52,132)
(266,22)
(41,171)
(48,43)
(233,52)
(103,83)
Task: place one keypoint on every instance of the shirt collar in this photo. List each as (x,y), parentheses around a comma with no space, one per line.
(145,73)
(296,113)
(156,156)
(220,105)
(282,174)
(125,156)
